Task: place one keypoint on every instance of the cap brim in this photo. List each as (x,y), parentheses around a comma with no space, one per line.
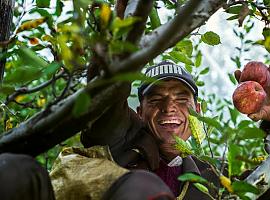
(163,78)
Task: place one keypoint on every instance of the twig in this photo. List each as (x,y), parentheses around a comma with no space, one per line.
(65,89)
(208,142)
(27,104)
(223,158)
(31,90)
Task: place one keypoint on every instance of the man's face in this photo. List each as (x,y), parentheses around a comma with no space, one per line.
(165,110)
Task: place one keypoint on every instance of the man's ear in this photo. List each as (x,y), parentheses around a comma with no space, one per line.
(198,107)
(139,111)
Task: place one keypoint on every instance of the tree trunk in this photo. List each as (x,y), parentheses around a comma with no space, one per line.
(6,14)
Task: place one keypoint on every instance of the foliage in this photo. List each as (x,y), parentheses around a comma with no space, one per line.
(57,46)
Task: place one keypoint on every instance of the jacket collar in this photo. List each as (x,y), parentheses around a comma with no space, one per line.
(189,166)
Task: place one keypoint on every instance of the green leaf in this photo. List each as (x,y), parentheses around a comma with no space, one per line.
(204,106)
(234,114)
(234,9)
(59,8)
(201,187)
(51,68)
(43,3)
(244,123)
(234,165)
(251,133)
(192,178)
(30,58)
(233,17)
(198,60)
(82,104)
(23,75)
(213,161)
(266,32)
(211,38)
(185,46)
(232,79)
(125,24)
(154,18)
(210,121)
(204,71)
(6,89)
(181,57)
(117,47)
(266,2)
(182,146)
(243,187)
(200,83)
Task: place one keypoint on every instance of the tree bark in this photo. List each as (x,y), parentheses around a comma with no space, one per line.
(6,14)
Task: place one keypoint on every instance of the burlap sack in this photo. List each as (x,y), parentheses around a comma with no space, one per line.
(80,173)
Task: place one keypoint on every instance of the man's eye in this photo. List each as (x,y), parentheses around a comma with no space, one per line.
(154,100)
(182,99)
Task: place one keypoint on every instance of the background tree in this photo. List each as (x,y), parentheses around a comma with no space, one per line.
(65,67)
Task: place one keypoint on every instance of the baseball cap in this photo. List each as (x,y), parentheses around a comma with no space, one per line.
(167,69)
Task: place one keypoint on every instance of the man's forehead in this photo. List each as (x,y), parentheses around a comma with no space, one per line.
(172,84)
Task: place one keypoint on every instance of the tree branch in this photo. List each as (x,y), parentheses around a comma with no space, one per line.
(6,14)
(32,90)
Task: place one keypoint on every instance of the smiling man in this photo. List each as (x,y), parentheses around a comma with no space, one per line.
(164,105)
(145,140)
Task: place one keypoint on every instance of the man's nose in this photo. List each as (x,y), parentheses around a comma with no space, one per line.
(168,106)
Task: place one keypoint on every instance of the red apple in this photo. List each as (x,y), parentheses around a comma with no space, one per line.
(249,97)
(256,71)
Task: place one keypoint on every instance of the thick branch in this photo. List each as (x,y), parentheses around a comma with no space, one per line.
(6,13)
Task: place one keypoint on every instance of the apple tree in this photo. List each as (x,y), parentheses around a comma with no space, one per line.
(63,63)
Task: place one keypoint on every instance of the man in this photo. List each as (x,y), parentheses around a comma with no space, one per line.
(145,140)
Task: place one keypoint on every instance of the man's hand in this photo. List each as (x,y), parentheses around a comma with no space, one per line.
(264,112)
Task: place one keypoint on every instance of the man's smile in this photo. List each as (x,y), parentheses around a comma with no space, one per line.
(169,124)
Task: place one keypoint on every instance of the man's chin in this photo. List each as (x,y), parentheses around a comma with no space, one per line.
(169,132)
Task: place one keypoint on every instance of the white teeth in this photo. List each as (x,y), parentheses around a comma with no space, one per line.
(173,121)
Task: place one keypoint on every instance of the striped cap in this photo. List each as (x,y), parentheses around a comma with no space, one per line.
(164,70)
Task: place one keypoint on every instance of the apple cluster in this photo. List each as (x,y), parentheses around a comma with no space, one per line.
(250,95)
